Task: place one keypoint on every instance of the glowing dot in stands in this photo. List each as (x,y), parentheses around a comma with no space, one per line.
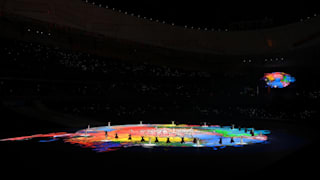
(278,79)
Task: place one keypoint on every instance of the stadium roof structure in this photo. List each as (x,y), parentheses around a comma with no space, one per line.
(123,26)
(216,15)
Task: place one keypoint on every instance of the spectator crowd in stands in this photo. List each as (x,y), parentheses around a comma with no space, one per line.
(112,88)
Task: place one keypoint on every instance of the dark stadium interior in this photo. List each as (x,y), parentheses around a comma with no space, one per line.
(60,77)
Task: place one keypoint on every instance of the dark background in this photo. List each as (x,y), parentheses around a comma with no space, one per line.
(46,86)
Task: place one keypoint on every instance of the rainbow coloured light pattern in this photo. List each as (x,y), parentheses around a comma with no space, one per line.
(110,138)
(278,79)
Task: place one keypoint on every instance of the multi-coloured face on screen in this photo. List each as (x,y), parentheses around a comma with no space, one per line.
(278,79)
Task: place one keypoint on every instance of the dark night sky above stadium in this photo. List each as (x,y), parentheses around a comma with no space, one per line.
(216,13)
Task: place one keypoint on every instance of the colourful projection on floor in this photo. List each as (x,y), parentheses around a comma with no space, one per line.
(110,138)
(278,79)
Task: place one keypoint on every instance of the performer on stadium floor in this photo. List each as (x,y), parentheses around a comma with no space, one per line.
(168,140)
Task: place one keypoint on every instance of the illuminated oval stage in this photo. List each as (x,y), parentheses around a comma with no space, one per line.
(154,147)
(110,138)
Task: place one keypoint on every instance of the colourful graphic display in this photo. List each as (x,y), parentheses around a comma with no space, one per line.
(110,138)
(278,79)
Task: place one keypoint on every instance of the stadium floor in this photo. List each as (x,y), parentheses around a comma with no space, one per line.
(290,150)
